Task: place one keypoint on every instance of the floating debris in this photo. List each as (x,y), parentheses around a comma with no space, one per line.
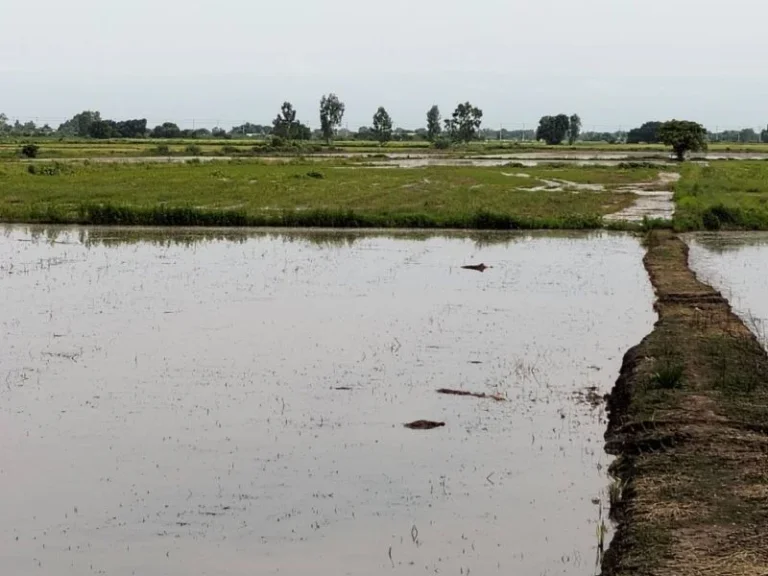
(424,425)
(497,397)
(346,388)
(477,267)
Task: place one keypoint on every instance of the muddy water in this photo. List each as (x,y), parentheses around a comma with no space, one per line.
(736,264)
(230,403)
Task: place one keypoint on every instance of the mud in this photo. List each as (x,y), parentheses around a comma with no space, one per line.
(655,200)
(168,407)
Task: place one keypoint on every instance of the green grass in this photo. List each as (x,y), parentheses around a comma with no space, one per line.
(308,194)
(727,195)
(55,147)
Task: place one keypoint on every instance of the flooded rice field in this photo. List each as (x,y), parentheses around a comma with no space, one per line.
(736,264)
(181,402)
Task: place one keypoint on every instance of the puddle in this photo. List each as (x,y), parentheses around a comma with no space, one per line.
(736,264)
(205,402)
(651,203)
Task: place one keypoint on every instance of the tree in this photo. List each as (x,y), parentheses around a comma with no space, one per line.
(166,130)
(574,129)
(331,114)
(683,136)
(80,124)
(282,125)
(465,122)
(647,133)
(103,129)
(433,124)
(748,135)
(553,129)
(764,136)
(382,126)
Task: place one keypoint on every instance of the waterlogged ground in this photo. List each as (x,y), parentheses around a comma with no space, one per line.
(736,264)
(193,403)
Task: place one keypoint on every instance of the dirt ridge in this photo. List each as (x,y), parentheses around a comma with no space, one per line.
(687,421)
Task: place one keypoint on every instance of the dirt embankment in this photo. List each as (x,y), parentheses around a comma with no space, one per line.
(689,424)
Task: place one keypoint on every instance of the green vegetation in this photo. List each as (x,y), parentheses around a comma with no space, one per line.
(310,194)
(463,126)
(683,136)
(727,195)
(555,129)
(433,124)
(382,126)
(331,114)
(690,492)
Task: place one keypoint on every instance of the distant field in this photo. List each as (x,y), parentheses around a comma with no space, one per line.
(54,148)
(311,194)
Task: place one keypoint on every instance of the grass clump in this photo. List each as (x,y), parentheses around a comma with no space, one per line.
(668,375)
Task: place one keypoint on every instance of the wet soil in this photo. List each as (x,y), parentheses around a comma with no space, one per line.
(689,424)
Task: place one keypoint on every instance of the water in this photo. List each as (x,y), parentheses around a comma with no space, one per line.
(736,264)
(169,401)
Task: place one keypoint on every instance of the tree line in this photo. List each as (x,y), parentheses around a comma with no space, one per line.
(463,126)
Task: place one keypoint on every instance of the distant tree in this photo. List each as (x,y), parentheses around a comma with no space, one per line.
(465,123)
(364,133)
(382,126)
(683,136)
(135,128)
(648,133)
(103,129)
(433,124)
(553,129)
(166,130)
(283,123)
(331,114)
(218,132)
(249,129)
(574,129)
(764,136)
(748,135)
(79,124)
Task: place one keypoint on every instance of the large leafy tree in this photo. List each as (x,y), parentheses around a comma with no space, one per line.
(284,124)
(166,130)
(647,133)
(80,124)
(382,126)
(683,136)
(553,129)
(433,124)
(465,123)
(574,129)
(331,114)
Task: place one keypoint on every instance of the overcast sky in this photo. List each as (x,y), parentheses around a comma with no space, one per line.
(614,62)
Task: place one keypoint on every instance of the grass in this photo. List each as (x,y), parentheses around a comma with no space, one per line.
(249,193)
(691,493)
(723,195)
(83,148)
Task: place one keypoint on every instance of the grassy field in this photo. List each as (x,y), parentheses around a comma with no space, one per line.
(84,148)
(723,195)
(689,424)
(310,194)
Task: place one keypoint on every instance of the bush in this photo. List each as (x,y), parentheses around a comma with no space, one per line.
(162,149)
(193,150)
(30,150)
(442,144)
(229,150)
(668,376)
(277,142)
(55,169)
(316,175)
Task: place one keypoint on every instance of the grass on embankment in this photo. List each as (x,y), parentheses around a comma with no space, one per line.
(308,194)
(689,424)
(727,195)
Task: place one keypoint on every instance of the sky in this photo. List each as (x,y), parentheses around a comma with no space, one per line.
(617,63)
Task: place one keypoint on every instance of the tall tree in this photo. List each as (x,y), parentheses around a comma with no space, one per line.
(284,125)
(764,135)
(553,129)
(382,126)
(433,124)
(464,123)
(574,129)
(683,136)
(331,114)
(80,124)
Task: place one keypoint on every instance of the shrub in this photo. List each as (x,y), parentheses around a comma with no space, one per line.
(442,144)
(193,150)
(315,174)
(30,150)
(277,142)
(162,149)
(668,376)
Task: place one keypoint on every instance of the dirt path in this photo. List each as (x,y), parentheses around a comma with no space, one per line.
(689,424)
(654,200)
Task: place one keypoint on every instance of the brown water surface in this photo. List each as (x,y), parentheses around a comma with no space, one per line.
(178,402)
